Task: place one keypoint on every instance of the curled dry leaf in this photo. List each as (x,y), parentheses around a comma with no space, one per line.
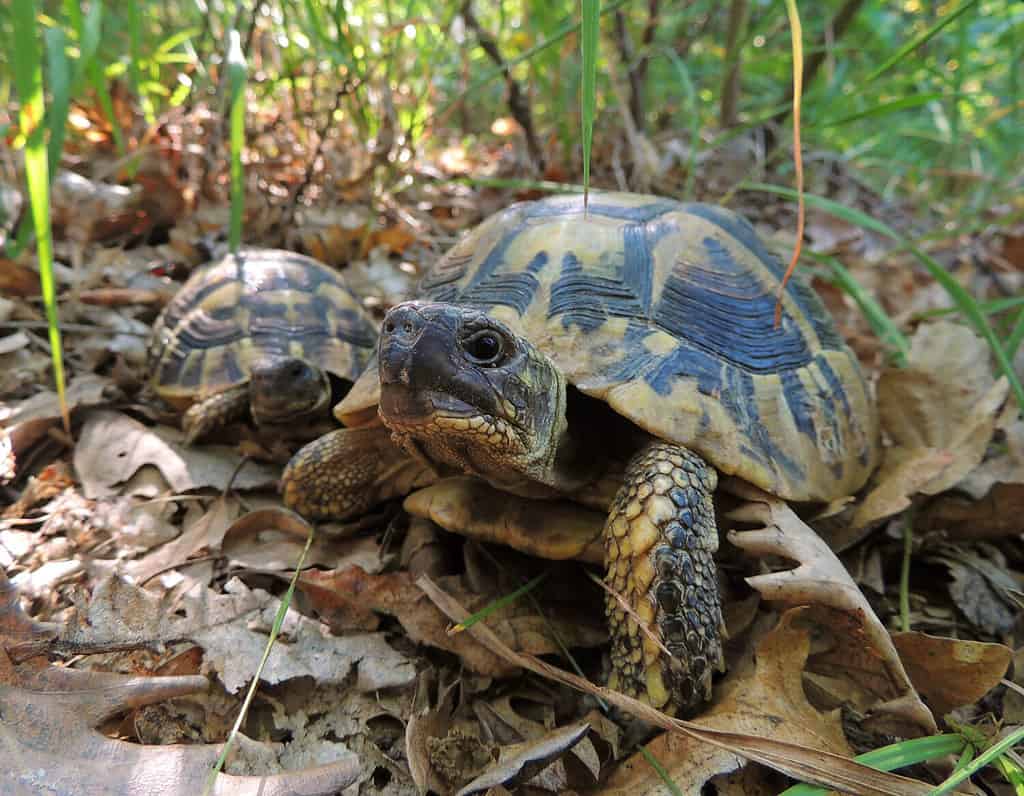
(950,672)
(762,695)
(520,762)
(820,579)
(982,587)
(113,448)
(940,413)
(51,744)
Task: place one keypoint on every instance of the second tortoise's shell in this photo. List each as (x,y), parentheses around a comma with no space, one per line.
(256,306)
(666,312)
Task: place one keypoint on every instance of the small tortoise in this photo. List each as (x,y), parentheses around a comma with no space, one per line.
(261,333)
(619,357)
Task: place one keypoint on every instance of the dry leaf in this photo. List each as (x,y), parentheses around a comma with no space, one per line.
(520,762)
(940,413)
(51,744)
(113,448)
(764,695)
(821,579)
(950,672)
(204,534)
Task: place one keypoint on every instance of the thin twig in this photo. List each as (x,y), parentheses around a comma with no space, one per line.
(518,105)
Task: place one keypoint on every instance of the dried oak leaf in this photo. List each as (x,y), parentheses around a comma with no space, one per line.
(940,413)
(763,695)
(982,585)
(950,672)
(113,448)
(51,745)
(820,579)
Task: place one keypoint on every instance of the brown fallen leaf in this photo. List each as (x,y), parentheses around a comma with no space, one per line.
(940,413)
(51,744)
(820,579)
(25,424)
(113,447)
(950,672)
(794,760)
(762,695)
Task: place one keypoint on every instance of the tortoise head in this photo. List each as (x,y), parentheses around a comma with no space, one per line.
(466,391)
(288,390)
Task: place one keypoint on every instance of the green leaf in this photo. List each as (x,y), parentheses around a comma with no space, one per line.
(28,78)
(917,41)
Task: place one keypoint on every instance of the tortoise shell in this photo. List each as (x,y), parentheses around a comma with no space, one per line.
(258,305)
(666,312)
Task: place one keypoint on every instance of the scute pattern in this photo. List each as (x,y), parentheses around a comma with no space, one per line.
(666,311)
(259,305)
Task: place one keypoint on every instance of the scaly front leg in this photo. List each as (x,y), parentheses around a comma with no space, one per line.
(660,541)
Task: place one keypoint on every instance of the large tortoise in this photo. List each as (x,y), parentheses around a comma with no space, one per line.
(268,333)
(620,356)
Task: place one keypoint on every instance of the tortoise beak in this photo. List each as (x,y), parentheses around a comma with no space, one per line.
(422,370)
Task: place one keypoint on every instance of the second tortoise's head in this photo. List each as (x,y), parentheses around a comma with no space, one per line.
(288,390)
(468,392)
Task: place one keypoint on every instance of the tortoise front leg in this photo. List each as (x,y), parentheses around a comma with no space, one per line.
(346,472)
(214,411)
(660,540)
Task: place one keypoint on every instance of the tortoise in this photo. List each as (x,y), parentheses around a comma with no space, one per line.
(266,333)
(619,356)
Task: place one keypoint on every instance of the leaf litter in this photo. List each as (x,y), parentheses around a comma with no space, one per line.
(153,571)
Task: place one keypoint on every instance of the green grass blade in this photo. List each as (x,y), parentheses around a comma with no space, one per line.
(883,326)
(885,108)
(692,110)
(501,602)
(588,88)
(275,631)
(917,41)
(894,756)
(28,77)
(58,79)
(964,301)
(1016,336)
(982,760)
(236,99)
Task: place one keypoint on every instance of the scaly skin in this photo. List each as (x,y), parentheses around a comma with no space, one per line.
(660,541)
(345,473)
(215,411)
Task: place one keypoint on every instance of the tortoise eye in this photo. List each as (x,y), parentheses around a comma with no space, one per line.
(484,347)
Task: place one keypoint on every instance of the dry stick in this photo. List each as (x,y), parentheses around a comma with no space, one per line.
(733,64)
(517,102)
(795,760)
(625,43)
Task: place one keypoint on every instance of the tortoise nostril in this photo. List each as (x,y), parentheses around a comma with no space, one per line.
(407,327)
